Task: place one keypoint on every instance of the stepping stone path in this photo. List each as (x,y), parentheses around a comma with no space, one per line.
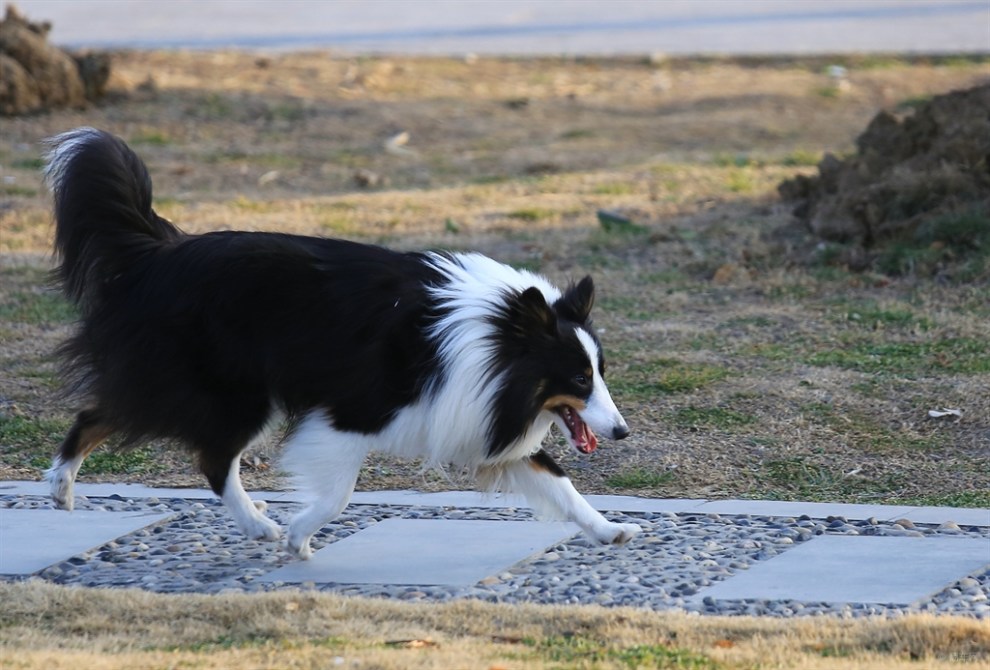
(718,557)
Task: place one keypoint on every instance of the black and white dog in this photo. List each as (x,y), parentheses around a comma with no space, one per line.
(204,339)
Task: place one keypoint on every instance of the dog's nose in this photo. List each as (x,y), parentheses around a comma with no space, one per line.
(620,432)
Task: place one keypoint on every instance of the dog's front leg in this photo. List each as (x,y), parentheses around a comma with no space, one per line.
(552,495)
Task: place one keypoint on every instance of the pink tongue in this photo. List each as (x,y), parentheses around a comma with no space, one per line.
(584,439)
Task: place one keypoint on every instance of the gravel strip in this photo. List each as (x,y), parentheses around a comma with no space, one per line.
(200,550)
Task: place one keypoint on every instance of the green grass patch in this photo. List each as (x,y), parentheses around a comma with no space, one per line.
(790,292)
(866,433)
(867,348)
(801,158)
(614,188)
(870,315)
(18,191)
(732,160)
(952,499)
(255,206)
(37,308)
(640,478)
(264,160)
(532,214)
(961,239)
(830,92)
(746,322)
(674,276)
(914,102)
(577,134)
(642,381)
(740,180)
(575,651)
(152,138)
(28,163)
(120,462)
(963,231)
(30,441)
(803,478)
(957,355)
(711,417)
(627,306)
(678,377)
(213,106)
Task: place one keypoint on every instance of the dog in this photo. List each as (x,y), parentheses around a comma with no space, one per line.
(206,340)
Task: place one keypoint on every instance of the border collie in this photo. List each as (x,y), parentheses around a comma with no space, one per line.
(207,339)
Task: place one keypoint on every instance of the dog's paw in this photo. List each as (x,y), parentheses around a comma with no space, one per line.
(260,505)
(61,488)
(299,547)
(263,528)
(616,533)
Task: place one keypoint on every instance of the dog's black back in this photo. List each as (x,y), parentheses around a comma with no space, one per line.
(202,337)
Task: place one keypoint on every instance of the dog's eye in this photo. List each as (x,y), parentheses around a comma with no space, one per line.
(581,379)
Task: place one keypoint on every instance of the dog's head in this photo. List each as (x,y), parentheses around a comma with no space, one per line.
(558,366)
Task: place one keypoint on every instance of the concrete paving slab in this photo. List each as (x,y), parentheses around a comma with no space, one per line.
(964,516)
(438,499)
(31,540)
(857,569)
(409,498)
(137,491)
(486,500)
(605,503)
(815,510)
(425,552)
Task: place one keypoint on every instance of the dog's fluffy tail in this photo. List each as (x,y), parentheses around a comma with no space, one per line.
(104,222)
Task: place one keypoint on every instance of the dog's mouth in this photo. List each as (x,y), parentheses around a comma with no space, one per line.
(581,436)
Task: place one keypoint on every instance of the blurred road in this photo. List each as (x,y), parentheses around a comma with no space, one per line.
(525,26)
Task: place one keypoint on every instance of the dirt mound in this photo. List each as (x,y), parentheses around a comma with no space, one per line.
(910,178)
(35,75)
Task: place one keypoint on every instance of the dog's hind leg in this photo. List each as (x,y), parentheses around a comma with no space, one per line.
(87,433)
(552,495)
(326,463)
(222,468)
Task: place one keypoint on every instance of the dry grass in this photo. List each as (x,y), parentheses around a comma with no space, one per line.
(46,626)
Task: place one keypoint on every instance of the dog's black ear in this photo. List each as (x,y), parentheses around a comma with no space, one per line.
(576,303)
(531,314)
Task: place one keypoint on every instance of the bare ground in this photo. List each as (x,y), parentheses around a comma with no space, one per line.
(741,372)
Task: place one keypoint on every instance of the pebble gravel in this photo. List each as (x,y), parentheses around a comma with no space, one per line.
(199,550)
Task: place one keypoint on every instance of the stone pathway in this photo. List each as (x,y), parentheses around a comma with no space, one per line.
(727,556)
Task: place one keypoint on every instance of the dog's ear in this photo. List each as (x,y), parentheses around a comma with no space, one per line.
(576,303)
(530,314)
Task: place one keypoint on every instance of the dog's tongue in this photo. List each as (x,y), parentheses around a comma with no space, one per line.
(582,437)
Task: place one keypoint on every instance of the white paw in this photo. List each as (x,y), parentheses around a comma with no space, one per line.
(262,528)
(299,547)
(260,505)
(61,487)
(616,533)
